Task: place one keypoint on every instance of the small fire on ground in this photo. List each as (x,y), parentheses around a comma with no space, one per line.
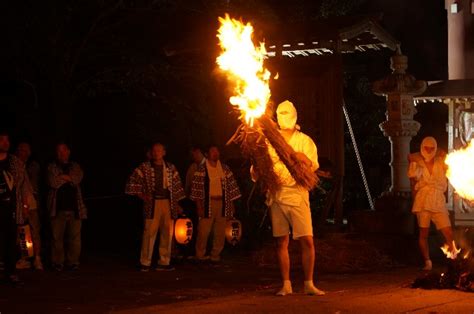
(459,273)
(450,253)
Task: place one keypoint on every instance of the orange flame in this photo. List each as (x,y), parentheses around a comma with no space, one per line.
(450,253)
(242,61)
(461,171)
(466,256)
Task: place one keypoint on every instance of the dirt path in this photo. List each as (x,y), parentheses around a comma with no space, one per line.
(238,286)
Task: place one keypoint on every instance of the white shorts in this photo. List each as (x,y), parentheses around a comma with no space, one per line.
(286,216)
(441,219)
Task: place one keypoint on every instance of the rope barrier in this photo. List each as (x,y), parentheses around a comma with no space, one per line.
(359,160)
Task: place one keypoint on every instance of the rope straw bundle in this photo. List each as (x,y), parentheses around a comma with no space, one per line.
(254,141)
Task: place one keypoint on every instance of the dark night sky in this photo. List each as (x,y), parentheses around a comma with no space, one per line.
(123,91)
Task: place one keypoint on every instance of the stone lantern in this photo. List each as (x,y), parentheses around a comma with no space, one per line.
(399,88)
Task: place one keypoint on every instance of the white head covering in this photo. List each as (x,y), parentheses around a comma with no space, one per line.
(287,116)
(430,142)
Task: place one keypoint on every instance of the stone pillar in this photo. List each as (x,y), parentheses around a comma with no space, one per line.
(460,39)
(392,213)
(399,89)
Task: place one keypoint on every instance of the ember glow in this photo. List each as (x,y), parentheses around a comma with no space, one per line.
(461,171)
(242,62)
(466,255)
(451,254)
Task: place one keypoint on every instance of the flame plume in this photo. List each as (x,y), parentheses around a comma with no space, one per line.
(450,253)
(461,171)
(242,61)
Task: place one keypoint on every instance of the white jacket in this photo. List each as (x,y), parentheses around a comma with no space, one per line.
(429,188)
(290,193)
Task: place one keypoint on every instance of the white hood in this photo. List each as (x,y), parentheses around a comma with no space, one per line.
(287,115)
(429,142)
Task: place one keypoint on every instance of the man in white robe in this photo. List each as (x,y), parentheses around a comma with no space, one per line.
(289,206)
(427,172)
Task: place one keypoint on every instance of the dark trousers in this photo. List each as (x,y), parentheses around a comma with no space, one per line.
(8,249)
(66,228)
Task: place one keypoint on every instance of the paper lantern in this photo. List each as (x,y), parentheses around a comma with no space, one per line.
(183,230)
(233,231)
(25,241)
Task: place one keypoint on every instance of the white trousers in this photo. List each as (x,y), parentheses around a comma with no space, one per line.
(163,223)
(215,224)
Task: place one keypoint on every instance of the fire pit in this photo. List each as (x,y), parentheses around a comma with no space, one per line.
(459,273)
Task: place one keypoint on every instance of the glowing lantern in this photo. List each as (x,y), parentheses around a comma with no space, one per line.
(183,230)
(233,231)
(24,239)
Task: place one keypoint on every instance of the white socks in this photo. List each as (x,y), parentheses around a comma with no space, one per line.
(310,289)
(428,265)
(286,289)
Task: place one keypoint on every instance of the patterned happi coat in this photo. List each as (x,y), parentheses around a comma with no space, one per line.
(142,181)
(200,190)
(23,190)
(55,182)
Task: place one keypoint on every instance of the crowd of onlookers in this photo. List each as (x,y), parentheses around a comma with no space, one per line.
(209,191)
(211,187)
(20,200)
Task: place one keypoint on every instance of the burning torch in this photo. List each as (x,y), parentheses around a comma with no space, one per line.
(243,64)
